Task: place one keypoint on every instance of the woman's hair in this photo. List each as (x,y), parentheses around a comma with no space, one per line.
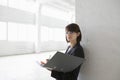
(73,27)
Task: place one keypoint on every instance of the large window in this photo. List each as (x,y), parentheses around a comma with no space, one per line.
(30,21)
(3,30)
(14,29)
(17,32)
(3,2)
(52,34)
(59,34)
(21,32)
(56,19)
(55,13)
(45,34)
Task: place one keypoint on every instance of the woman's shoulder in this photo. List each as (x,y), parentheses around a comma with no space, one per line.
(79,46)
(79,51)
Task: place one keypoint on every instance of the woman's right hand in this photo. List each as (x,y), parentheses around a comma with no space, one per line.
(44,62)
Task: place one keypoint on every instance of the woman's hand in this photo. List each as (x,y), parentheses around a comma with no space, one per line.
(44,62)
(41,63)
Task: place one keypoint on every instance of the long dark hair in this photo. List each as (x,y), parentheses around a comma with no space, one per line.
(73,27)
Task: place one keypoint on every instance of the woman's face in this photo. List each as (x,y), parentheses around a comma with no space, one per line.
(72,36)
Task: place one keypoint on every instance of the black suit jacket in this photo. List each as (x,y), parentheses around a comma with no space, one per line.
(77,50)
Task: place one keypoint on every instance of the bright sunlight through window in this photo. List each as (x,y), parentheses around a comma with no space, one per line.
(52,34)
(21,32)
(3,28)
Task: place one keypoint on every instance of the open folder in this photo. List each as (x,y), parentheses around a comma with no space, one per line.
(63,62)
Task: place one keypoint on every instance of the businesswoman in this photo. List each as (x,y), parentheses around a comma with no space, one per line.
(73,36)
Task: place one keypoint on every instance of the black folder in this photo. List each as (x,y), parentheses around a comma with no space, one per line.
(63,62)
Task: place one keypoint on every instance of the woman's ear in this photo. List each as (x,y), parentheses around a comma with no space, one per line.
(78,33)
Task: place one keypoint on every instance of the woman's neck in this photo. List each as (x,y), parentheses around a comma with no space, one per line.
(73,43)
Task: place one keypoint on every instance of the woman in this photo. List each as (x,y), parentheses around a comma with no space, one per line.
(73,36)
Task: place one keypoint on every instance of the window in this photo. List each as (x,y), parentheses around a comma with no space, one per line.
(44,33)
(21,32)
(3,31)
(14,31)
(54,12)
(52,34)
(3,2)
(59,34)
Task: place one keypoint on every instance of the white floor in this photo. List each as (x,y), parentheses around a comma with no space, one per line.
(24,67)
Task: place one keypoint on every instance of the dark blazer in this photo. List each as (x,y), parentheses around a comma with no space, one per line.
(77,50)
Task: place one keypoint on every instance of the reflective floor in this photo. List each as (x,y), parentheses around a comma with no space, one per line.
(24,67)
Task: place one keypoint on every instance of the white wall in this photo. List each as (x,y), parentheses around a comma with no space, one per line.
(100,24)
